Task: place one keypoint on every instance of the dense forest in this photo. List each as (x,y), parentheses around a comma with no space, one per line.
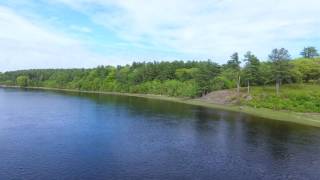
(181,78)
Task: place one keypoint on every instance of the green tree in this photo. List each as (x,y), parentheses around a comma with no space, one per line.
(281,67)
(234,63)
(221,82)
(310,70)
(265,71)
(2,78)
(122,75)
(204,76)
(177,78)
(22,81)
(184,74)
(251,69)
(309,52)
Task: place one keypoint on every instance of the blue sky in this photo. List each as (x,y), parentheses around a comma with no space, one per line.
(83,33)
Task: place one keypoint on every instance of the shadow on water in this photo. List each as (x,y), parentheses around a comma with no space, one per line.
(242,124)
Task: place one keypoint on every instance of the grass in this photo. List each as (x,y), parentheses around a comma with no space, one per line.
(295,97)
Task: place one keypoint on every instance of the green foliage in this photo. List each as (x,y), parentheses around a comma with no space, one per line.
(176,78)
(234,62)
(280,66)
(234,65)
(22,81)
(251,70)
(207,71)
(266,75)
(222,82)
(300,98)
(185,74)
(309,69)
(280,62)
(192,79)
(309,52)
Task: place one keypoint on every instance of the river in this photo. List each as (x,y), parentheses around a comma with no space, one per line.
(55,135)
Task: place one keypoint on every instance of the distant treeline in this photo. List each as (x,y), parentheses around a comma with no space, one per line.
(178,78)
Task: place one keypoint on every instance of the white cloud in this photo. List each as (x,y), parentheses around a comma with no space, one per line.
(25,44)
(208,27)
(159,30)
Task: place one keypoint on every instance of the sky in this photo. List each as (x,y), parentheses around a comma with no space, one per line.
(88,33)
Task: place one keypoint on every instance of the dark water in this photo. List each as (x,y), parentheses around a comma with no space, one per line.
(50,135)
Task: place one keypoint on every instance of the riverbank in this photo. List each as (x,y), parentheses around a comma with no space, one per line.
(311,119)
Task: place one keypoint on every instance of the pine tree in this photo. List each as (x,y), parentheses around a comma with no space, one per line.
(251,69)
(280,60)
(234,63)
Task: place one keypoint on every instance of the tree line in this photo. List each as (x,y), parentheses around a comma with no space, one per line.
(179,78)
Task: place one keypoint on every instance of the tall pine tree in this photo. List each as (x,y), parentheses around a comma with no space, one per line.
(251,69)
(234,64)
(280,61)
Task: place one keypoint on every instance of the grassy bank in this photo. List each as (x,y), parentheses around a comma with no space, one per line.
(312,119)
(292,97)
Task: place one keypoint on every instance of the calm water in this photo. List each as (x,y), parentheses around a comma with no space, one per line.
(51,135)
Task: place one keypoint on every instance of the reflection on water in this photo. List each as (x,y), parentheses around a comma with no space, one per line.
(54,135)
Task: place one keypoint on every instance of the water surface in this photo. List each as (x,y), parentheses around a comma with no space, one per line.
(54,135)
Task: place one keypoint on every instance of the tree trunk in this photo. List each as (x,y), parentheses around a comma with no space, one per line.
(238,85)
(277,87)
(248,87)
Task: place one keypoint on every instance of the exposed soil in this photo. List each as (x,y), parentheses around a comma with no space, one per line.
(225,97)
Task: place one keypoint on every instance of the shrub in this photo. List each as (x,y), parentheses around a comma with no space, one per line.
(22,81)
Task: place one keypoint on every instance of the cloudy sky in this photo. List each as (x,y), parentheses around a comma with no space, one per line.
(87,33)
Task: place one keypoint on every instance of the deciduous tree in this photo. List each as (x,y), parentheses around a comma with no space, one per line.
(309,52)
(22,81)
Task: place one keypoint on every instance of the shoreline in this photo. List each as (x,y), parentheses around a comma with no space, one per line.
(311,119)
